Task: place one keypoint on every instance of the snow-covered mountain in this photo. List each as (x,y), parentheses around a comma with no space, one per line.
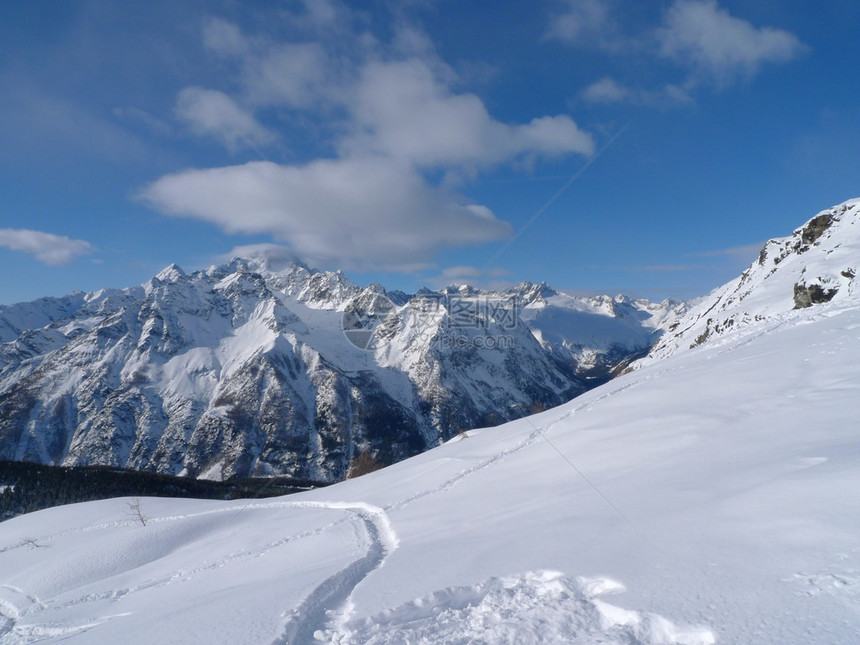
(708,497)
(817,263)
(248,368)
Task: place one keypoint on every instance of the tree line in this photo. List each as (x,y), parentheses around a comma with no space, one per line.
(28,487)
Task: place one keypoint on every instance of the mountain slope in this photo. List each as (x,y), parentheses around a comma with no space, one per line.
(707,497)
(244,369)
(816,264)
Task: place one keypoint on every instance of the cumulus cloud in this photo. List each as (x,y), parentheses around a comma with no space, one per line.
(491,278)
(712,47)
(372,205)
(399,130)
(721,45)
(320,13)
(347,212)
(606,90)
(47,248)
(404,111)
(214,114)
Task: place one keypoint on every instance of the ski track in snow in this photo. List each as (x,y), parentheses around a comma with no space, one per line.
(326,610)
(498,457)
(332,596)
(329,603)
(329,599)
(14,631)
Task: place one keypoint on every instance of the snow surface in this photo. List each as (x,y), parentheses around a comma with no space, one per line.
(711,497)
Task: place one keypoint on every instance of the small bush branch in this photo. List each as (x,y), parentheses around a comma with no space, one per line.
(32,543)
(136,513)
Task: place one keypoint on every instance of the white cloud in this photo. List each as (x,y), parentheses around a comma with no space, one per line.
(746,252)
(276,256)
(608,90)
(403,111)
(320,13)
(212,113)
(47,248)
(223,38)
(400,105)
(493,278)
(582,22)
(392,115)
(361,211)
(291,75)
(472,272)
(295,75)
(721,45)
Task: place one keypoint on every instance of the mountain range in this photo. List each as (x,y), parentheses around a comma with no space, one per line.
(259,367)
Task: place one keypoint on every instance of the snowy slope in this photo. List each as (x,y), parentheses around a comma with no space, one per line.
(710,497)
(817,263)
(245,369)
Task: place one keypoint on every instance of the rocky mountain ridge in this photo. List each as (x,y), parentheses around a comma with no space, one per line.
(245,369)
(817,263)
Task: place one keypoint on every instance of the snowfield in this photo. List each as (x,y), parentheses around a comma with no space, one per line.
(708,498)
(712,496)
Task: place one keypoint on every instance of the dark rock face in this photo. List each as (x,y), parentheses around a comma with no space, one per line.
(806,295)
(815,228)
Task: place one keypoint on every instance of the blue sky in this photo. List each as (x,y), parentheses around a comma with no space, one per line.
(408,142)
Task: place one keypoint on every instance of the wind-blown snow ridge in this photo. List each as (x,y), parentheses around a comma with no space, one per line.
(549,608)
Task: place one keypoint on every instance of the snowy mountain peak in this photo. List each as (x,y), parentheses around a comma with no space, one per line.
(249,368)
(532,294)
(267,257)
(171,273)
(816,264)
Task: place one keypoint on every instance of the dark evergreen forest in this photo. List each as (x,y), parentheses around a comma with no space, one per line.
(28,487)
